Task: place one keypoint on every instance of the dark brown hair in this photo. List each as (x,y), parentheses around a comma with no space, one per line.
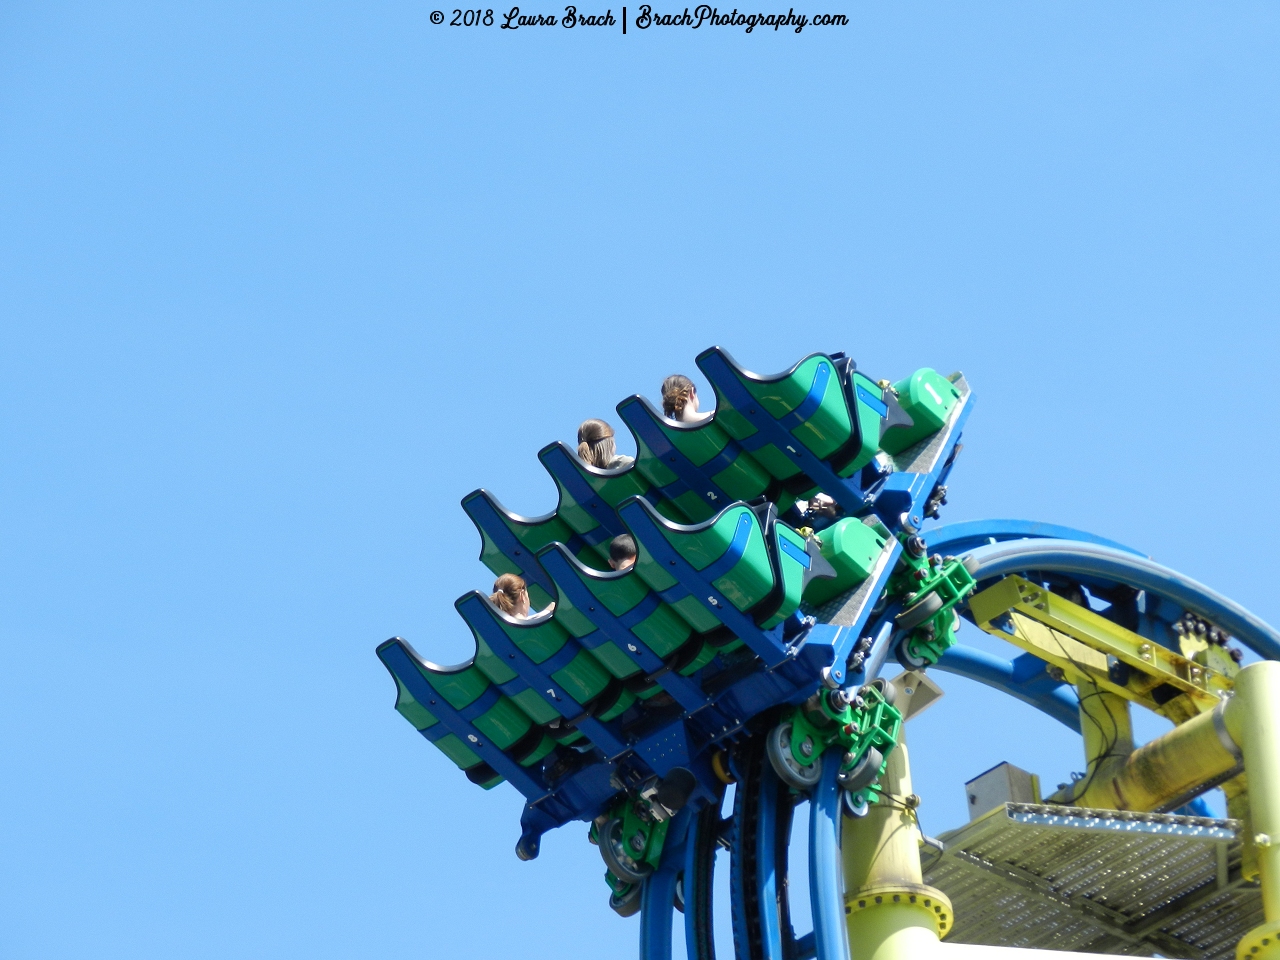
(676,391)
(595,443)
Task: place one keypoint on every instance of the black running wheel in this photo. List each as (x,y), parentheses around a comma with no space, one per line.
(863,773)
(627,905)
(919,612)
(616,857)
(909,659)
(789,770)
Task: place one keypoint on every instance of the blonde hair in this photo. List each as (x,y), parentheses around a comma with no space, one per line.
(676,390)
(506,592)
(595,443)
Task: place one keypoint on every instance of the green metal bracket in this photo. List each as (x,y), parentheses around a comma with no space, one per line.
(631,835)
(864,730)
(931,587)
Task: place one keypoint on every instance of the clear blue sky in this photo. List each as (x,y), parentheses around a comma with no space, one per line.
(280,283)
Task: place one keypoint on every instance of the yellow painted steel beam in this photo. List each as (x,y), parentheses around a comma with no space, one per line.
(1082,643)
(1163,772)
(1107,731)
(1237,793)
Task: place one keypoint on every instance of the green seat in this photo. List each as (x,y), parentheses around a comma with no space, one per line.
(873,415)
(509,541)
(450,745)
(714,469)
(777,463)
(584,519)
(543,639)
(589,496)
(852,547)
(624,597)
(799,562)
(824,403)
(747,574)
(659,579)
(760,565)
(507,726)
(828,427)
(928,398)
(811,402)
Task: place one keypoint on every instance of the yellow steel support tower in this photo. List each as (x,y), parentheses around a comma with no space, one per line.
(892,915)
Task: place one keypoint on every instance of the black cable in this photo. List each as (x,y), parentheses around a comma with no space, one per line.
(1108,750)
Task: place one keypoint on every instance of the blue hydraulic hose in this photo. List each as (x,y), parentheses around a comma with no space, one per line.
(826,887)
(657,896)
(767,880)
(657,899)
(1068,556)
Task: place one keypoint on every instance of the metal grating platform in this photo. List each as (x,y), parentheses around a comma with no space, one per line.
(1097,881)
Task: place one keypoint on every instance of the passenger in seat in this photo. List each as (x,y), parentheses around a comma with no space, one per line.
(680,399)
(820,512)
(595,446)
(622,552)
(511,596)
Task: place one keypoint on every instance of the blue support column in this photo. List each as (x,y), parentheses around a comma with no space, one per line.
(826,882)
(657,905)
(657,899)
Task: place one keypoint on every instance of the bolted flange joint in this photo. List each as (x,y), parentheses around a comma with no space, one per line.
(1260,943)
(923,898)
